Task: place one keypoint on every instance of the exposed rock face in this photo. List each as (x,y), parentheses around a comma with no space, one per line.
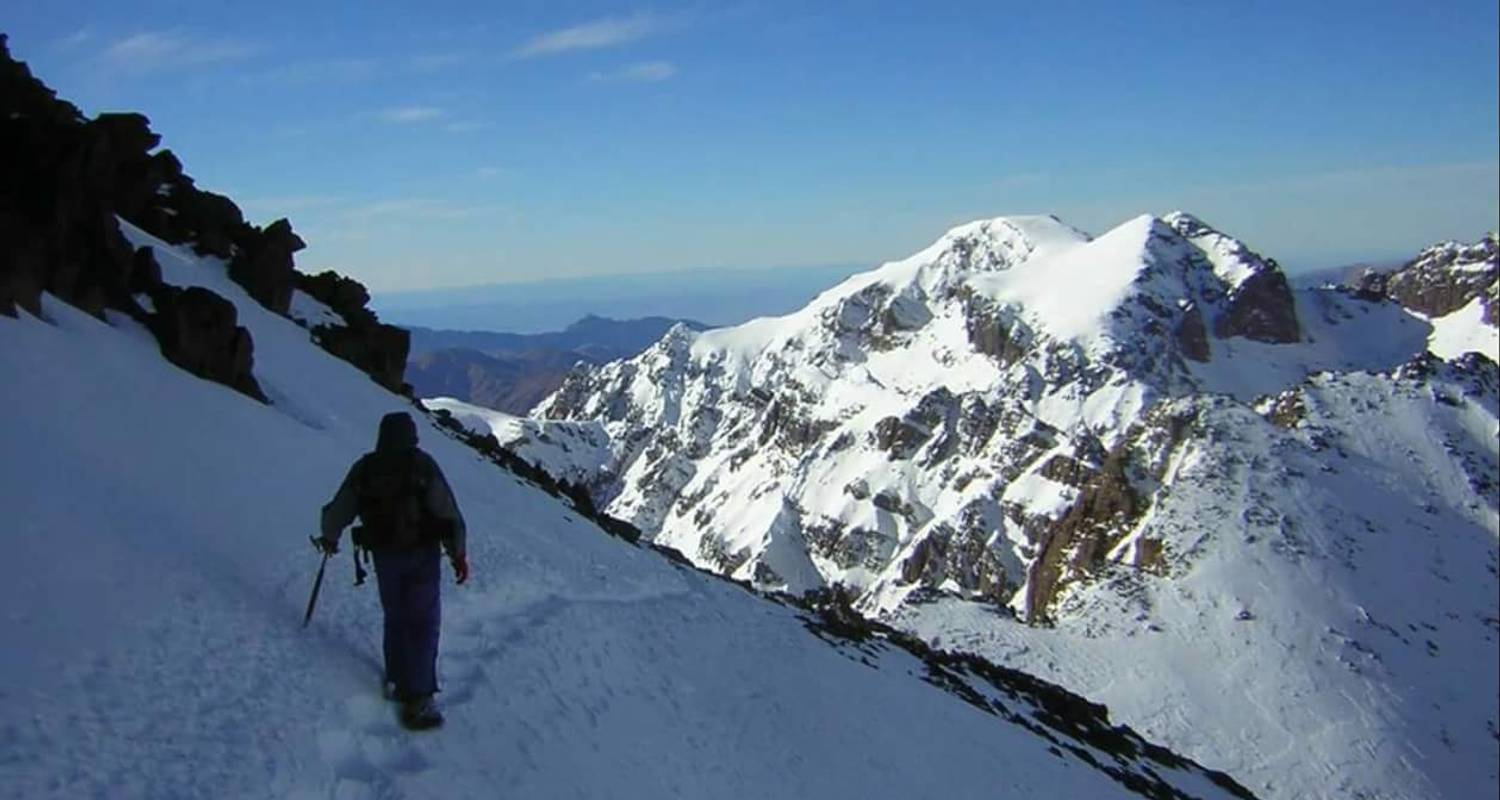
(197,331)
(380,350)
(1105,507)
(263,265)
(994,332)
(1258,302)
(1192,336)
(64,183)
(1262,309)
(1443,279)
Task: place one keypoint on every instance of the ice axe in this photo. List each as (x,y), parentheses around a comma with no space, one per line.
(317,584)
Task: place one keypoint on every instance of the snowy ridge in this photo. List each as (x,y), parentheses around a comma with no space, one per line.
(1019,412)
(1456,287)
(157,570)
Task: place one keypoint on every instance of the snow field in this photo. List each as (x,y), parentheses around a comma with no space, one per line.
(157,567)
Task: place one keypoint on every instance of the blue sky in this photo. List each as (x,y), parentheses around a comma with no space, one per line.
(449,144)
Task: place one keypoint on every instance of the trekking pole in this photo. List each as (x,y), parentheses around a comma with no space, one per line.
(317,584)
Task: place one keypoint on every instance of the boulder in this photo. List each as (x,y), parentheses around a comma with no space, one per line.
(197,331)
(379,350)
(263,265)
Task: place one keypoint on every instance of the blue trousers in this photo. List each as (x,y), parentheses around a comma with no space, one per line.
(409,581)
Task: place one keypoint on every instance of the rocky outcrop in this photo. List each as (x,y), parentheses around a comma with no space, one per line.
(1106,506)
(995,333)
(1443,279)
(1257,301)
(378,349)
(197,331)
(1262,309)
(963,554)
(263,264)
(1192,336)
(66,180)
(64,183)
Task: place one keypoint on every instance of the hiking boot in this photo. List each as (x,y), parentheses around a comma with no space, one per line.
(420,713)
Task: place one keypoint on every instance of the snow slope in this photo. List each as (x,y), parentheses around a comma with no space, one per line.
(1464,331)
(157,565)
(1003,425)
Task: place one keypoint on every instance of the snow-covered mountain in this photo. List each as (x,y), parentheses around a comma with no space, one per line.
(1260,521)
(157,566)
(169,435)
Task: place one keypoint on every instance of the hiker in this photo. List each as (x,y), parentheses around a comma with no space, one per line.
(406,511)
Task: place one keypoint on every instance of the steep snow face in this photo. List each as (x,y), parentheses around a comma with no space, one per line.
(156,569)
(1006,416)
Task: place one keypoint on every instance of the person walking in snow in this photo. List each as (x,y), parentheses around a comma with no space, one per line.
(406,511)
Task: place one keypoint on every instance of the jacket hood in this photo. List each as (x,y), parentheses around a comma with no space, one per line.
(397,432)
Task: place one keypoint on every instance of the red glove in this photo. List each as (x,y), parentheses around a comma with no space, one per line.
(460,569)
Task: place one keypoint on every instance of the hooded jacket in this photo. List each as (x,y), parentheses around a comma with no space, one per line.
(398,433)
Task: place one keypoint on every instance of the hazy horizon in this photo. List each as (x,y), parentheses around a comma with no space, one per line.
(716,299)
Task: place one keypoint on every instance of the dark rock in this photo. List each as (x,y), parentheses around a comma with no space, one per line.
(23,266)
(145,273)
(848,547)
(198,332)
(263,265)
(963,555)
(1443,279)
(1105,507)
(1262,309)
(1067,471)
(346,296)
(1192,336)
(212,222)
(129,132)
(1288,410)
(379,350)
(787,423)
(995,333)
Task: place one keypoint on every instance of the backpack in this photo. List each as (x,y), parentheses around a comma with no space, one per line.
(392,502)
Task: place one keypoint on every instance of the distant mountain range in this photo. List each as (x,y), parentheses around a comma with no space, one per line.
(716,297)
(512,372)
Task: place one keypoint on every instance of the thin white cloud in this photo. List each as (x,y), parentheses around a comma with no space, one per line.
(607,32)
(406,115)
(151,50)
(73,40)
(488,171)
(465,126)
(642,72)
